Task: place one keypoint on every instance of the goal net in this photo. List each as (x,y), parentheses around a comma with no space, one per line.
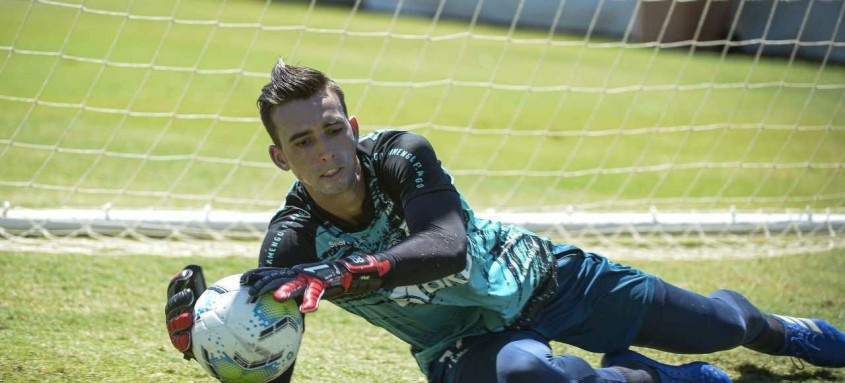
(679,128)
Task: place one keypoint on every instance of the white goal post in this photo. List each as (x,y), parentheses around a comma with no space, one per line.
(647,127)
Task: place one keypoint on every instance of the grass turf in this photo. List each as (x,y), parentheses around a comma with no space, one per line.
(77,318)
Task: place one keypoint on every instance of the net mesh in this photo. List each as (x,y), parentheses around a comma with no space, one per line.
(677,128)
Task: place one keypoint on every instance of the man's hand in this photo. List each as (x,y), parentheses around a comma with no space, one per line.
(356,274)
(265,279)
(182,293)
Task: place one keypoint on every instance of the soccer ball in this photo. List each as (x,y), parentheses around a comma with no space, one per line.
(237,338)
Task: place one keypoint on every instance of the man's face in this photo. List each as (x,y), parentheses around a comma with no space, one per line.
(318,144)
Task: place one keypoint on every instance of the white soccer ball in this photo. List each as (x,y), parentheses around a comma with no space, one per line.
(239,339)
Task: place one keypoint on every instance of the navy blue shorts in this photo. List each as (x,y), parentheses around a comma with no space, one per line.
(599,305)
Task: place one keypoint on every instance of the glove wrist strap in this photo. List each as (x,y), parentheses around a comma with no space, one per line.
(363,273)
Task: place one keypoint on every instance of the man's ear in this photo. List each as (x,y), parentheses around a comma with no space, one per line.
(354,122)
(278,157)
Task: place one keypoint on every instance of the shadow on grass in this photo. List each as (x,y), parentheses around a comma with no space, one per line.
(750,373)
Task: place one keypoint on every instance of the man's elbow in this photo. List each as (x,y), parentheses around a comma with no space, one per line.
(458,252)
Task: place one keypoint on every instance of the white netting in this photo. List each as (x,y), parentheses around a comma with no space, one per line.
(673,127)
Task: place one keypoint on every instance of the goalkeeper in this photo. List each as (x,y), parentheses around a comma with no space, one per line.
(376,225)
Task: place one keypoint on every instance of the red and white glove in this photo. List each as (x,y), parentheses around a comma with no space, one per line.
(182,293)
(355,274)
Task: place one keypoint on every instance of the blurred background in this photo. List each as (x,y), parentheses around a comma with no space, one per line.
(678,127)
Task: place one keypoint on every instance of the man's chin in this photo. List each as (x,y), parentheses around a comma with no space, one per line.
(334,189)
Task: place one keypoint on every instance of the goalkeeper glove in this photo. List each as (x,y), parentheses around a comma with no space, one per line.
(182,293)
(355,274)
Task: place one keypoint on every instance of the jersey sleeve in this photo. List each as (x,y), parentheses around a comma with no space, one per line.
(437,245)
(410,172)
(409,167)
(289,240)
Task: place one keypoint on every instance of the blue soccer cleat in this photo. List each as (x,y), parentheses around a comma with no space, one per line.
(686,373)
(814,341)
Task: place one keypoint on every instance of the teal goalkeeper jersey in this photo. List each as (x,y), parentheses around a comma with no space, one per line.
(504,264)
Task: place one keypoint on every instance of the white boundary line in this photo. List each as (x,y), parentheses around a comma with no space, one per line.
(227,223)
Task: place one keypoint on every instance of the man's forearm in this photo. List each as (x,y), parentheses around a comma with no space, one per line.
(437,245)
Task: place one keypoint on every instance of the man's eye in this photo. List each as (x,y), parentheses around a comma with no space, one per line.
(303,143)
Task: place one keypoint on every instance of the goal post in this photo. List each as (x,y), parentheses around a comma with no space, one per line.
(692,127)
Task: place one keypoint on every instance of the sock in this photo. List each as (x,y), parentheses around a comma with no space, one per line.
(772,339)
(637,373)
(609,375)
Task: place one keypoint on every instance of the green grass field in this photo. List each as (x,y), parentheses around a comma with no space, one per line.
(76,318)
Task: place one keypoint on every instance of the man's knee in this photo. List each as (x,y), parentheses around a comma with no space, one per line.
(521,366)
(739,319)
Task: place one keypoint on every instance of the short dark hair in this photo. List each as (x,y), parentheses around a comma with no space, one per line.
(288,83)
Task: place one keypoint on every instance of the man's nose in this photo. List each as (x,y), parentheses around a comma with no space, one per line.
(325,149)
